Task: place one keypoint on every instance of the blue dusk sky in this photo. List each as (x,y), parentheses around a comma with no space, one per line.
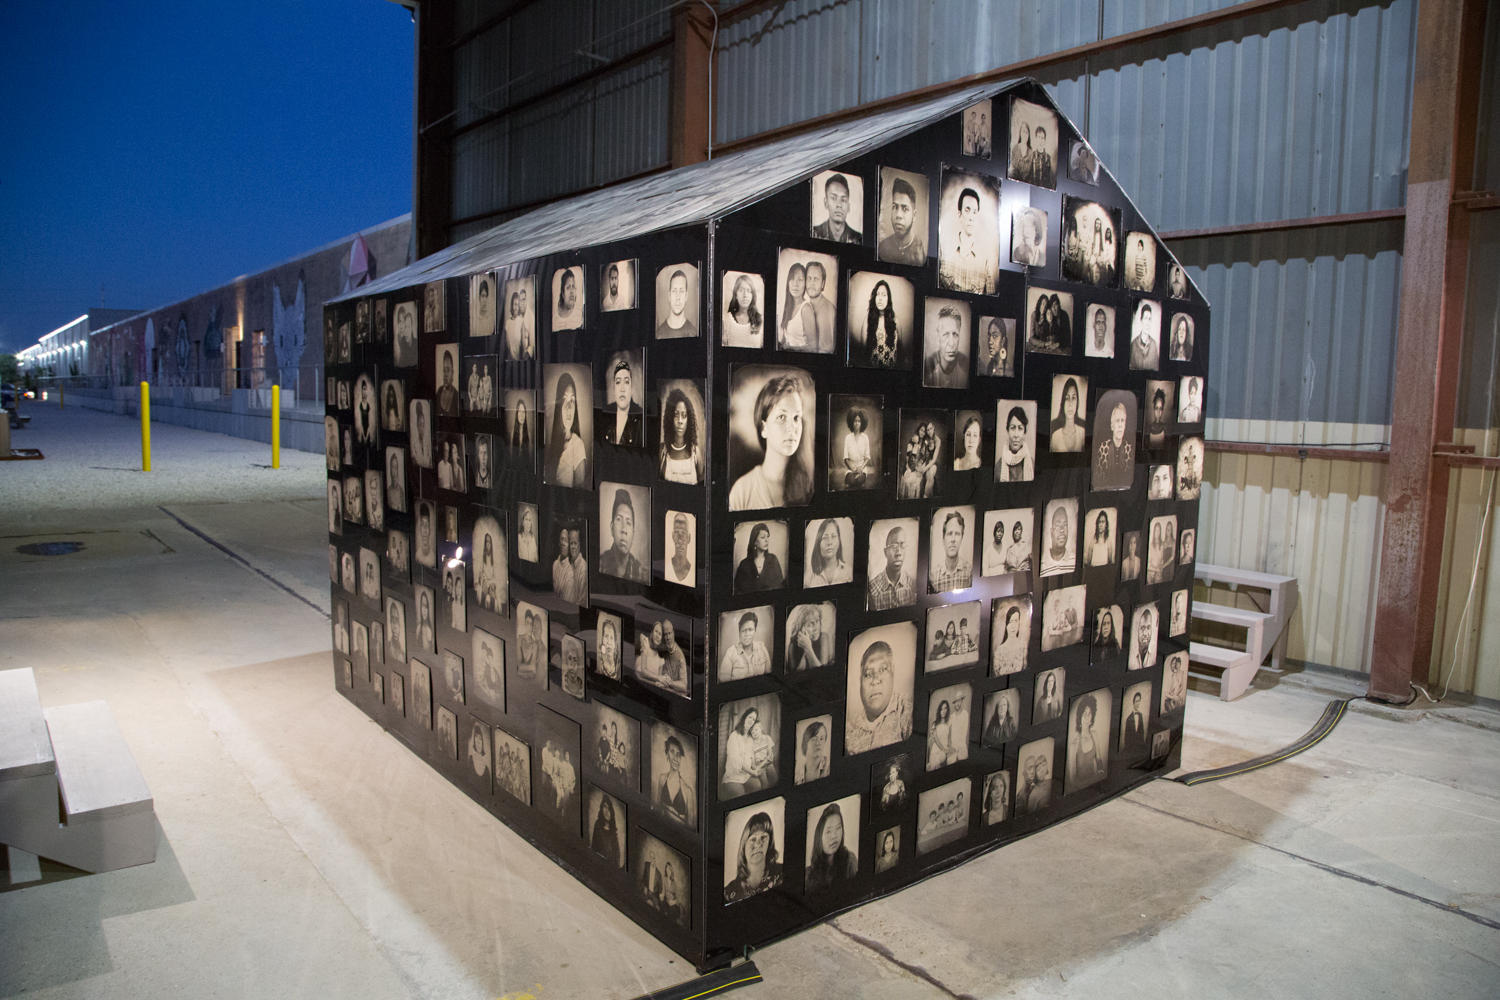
(153,150)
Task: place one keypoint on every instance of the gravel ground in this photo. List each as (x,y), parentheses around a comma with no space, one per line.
(93,462)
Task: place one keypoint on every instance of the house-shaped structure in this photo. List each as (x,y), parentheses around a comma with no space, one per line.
(761,537)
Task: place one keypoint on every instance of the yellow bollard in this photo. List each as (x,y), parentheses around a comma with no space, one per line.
(275,426)
(145,427)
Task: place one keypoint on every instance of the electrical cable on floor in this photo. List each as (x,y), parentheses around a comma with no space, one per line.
(1330,718)
(714,984)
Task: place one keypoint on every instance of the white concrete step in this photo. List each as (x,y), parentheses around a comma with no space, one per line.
(25,749)
(1236,667)
(1225,614)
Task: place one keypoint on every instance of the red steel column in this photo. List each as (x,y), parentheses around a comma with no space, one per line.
(692,62)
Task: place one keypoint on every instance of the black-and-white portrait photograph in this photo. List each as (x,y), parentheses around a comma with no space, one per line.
(760,556)
(604,819)
(490,564)
(567,544)
(892,562)
(1114,441)
(968,437)
(1060,543)
(531,642)
(453,677)
(382,320)
(855,430)
(610,645)
(749,731)
(480,397)
(426,532)
(881,674)
(1177,283)
(625,531)
(811,633)
(331,443)
(1002,718)
(947,343)
(772,425)
(1145,336)
(948,725)
(1099,331)
(810,748)
(1047,696)
(354,499)
(369,575)
(404,344)
(1179,615)
(996,805)
(447,734)
(754,849)
(742,323)
(1143,629)
(1190,400)
(943,814)
(968,232)
(680,562)
(1140,262)
(902,226)
(333,563)
(1063,617)
(950,565)
(395,479)
(672,774)
(1180,337)
(837,208)
(395,630)
(446,365)
(397,685)
(828,552)
(663,645)
(420,434)
(1186,543)
(421,694)
(1010,633)
(526,535)
(614,747)
(1090,242)
(978,122)
(557,792)
(426,602)
(881,320)
(1028,237)
(1049,323)
(377,684)
(680,454)
(1006,541)
(1160,484)
(1015,440)
(486,668)
(807,286)
(512,767)
(520,318)
(996,348)
(484,462)
(567,299)
(359,637)
(477,749)
(677,309)
(1160,396)
(452,470)
(520,424)
(892,782)
(375,500)
(1174,683)
(568,458)
(1068,425)
(1088,740)
(434,307)
(348,574)
(664,878)
(887,849)
(335,507)
(621,419)
(398,553)
(1135,720)
(1161,560)
(1190,468)
(952,637)
(362,321)
(1033,144)
(617,285)
(365,415)
(924,449)
(1083,163)
(345,398)
(832,845)
(482,305)
(745,638)
(1108,639)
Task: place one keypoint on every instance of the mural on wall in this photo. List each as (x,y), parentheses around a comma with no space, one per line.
(289,330)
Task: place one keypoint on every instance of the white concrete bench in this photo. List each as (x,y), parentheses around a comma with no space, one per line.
(70,791)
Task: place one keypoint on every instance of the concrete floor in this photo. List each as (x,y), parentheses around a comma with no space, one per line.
(305,853)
